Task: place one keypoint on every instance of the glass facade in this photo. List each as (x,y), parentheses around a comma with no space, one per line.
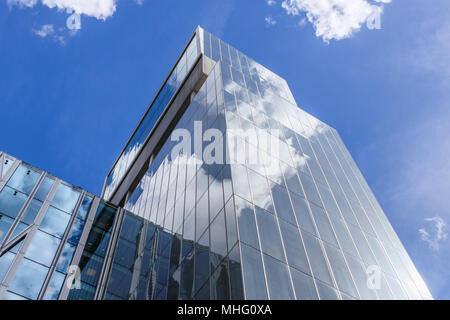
(282,211)
(153,114)
(40,216)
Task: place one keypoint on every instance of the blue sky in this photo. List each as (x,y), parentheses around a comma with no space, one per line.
(70,100)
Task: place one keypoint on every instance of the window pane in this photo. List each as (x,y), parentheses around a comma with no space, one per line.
(31,212)
(76,231)
(240,181)
(344,237)
(283,204)
(278,279)
(340,271)
(269,234)
(363,247)
(86,292)
(260,191)
(65,257)
(326,292)
(5,262)
(246,222)
(66,198)
(231,223)
(219,282)
(11,202)
(317,259)
(302,213)
(24,179)
(360,276)
(12,296)
(42,248)
(19,228)
(7,163)
(54,287)
(189,234)
(218,238)
(202,218)
(55,222)
(255,285)
(28,279)
(5,224)
(44,188)
(294,247)
(324,226)
(84,208)
(303,285)
(202,271)
(215,197)
(310,190)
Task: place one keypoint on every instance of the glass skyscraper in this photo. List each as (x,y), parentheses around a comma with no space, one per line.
(225,190)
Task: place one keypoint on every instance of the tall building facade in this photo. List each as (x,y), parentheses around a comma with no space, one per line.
(225,190)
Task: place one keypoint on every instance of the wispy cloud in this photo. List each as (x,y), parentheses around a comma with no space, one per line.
(302,22)
(431,53)
(270,21)
(21,3)
(45,30)
(438,234)
(57,35)
(335,19)
(271,2)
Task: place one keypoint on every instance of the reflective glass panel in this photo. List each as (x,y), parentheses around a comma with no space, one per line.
(66,198)
(294,247)
(24,179)
(54,287)
(303,285)
(278,279)
(28,279)
(42,248)
(55,222)
(269,234)
(255,286)
(11,202)
(44,188)
(317,259)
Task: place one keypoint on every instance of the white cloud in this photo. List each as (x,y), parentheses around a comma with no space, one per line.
(271,2)
(45,30)
(439,234)
(270,21)
(22,3)
(302,22)
(334,19)
(139,2)
(49,31)
(99,9)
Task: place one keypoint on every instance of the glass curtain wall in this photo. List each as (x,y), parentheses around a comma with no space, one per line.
(299,221)
(41,221)
(310,226)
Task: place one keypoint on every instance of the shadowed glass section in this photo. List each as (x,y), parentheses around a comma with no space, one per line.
(93,256)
